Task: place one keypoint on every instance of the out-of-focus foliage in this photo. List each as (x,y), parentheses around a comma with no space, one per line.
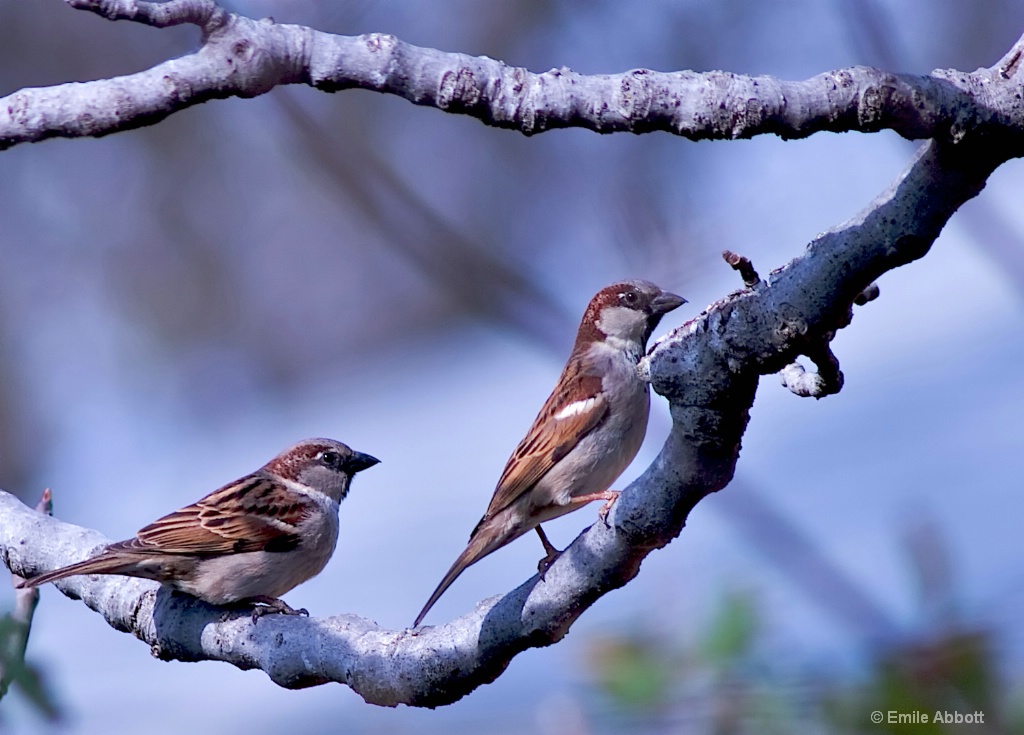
(732,632)
(955,671)
(637,672)
(19,675)
(656,680)
(727,678)
(945,664)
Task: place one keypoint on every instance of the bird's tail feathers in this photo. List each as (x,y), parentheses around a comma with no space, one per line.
(483,542)
(101,564)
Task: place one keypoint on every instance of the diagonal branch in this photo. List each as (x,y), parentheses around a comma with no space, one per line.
(708,369)
(242,57)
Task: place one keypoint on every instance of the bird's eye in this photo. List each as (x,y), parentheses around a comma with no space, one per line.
(629,298)
(331,459)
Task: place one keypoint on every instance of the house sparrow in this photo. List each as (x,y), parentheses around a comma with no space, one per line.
(249,542)
(586,434)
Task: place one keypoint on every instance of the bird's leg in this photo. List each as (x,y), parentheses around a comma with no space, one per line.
(609,495)
(272,605)
(550,553)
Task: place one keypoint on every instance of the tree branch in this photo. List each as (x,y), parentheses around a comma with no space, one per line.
(242,57)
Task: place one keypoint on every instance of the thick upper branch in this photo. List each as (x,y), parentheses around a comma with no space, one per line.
(242,57)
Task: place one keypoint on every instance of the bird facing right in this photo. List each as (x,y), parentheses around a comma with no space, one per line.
(248,542)
(586,434)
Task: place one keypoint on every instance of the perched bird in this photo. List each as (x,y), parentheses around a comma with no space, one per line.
(586,434)
(248,542)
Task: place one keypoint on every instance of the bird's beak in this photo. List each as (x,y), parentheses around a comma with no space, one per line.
(359,462)
(665,302)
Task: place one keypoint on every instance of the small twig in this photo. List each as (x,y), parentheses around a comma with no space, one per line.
(744,266)
(1011,64)
(45,504)
(12,660)
(828,379)
(868,294)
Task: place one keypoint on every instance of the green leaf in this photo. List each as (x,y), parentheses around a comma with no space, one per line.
(733,630)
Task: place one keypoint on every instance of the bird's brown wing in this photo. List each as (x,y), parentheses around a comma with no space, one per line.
(252,514)
(575,409)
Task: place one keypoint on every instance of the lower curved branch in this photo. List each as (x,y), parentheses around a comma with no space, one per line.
(427,666)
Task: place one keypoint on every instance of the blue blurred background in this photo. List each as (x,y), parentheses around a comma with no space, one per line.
(181,302)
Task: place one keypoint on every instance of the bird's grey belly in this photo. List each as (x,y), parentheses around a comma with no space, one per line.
(221,580)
